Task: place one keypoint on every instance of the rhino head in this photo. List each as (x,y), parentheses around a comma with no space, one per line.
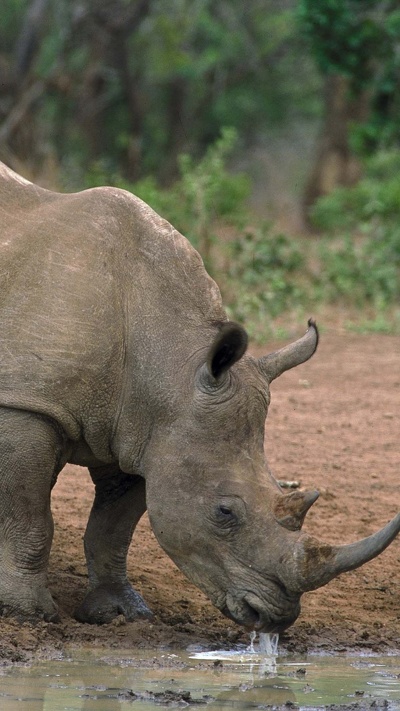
(216,509)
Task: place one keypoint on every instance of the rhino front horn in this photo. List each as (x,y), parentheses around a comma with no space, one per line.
(320,563)
(289,356)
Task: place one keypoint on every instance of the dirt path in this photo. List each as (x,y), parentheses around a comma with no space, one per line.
(333,425)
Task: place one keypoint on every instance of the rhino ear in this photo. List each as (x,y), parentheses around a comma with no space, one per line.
(228,347)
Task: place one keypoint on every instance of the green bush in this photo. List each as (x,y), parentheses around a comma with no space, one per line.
(364,265)
(375,199)
(264,278)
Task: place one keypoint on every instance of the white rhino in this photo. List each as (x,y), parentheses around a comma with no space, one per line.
(116,354)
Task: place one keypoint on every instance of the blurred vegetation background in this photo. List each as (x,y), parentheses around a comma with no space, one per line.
(268,132)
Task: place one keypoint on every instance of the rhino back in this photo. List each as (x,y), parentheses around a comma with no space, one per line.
(85,278)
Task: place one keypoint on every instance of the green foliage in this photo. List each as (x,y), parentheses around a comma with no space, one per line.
(344,36)
(371,204)
(12,16)
(360,40)
(216,64)
(364,269)
(264,277)
(207,193)
(134,84)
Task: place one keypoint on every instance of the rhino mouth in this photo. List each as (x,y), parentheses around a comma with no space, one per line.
(251,612)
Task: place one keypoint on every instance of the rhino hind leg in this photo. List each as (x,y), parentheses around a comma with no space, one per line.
(30,459)
(119,503)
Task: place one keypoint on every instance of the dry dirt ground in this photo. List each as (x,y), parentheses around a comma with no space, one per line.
(333,425)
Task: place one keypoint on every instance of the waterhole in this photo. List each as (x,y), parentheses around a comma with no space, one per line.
(242,678)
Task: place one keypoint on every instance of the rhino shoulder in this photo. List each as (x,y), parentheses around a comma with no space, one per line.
(141,222)
(7,175)
(159,247)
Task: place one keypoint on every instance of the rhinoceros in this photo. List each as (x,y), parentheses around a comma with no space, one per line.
(116,354)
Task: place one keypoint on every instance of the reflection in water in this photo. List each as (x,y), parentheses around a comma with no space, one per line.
(243,680)
(56,686)
(261,657)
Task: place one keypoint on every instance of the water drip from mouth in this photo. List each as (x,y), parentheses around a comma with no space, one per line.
(263,655)
(268,644)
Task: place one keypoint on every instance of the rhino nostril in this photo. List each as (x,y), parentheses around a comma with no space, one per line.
(253,617)
(243,613)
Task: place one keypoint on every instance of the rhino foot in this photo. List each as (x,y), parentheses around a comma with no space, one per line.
(107,601)
(28,608)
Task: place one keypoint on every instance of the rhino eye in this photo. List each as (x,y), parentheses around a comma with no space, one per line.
(225,510)
(227,515)
(225,518)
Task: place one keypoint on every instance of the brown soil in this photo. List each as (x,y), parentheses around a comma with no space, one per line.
(333,425)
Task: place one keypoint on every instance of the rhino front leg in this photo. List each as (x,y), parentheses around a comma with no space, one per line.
(30,459)
(119,503)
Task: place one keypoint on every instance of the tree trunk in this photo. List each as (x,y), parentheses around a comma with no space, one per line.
(335,163)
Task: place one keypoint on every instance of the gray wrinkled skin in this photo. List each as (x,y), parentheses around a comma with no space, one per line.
(117,355)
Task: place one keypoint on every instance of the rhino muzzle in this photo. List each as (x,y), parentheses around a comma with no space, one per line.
(256,613)
(307,565)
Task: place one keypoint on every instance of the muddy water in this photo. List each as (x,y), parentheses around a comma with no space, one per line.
(90,681)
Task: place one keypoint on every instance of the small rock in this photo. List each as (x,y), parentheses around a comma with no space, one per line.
(289,484)
(307,689)
(304,383)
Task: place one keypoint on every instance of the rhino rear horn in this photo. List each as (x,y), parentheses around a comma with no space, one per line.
(290,509)
(319,563)
(289,356)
